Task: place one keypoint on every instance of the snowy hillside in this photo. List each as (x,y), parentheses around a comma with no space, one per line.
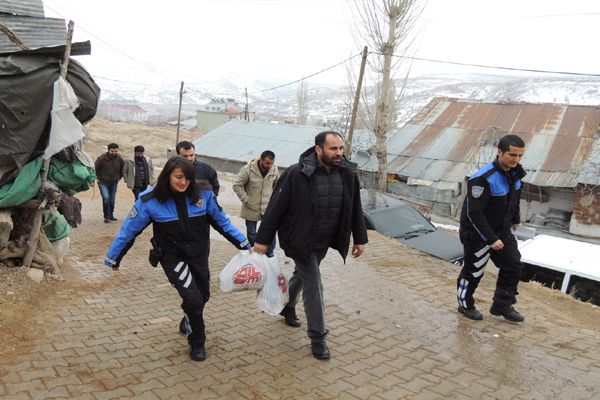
(332,102)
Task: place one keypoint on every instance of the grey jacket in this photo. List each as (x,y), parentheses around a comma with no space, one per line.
(129,172)
(253,190)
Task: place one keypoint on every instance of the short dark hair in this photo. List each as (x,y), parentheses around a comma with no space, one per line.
(510,140)
(139,149)
(162,189)
(267,154)
(320,138)
(112,146)
(184,145)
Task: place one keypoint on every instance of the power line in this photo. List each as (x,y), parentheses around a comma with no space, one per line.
(107,44)
(492,66)
(309,76)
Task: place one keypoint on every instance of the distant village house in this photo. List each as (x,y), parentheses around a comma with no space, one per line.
(219,111)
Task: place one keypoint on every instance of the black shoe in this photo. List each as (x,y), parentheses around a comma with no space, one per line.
(471,313)
(291,319)
(183,327)
(113,219)
(197,352)
(106,220)
(508,313)
(320,350)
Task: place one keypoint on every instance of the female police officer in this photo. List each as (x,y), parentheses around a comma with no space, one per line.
(180,214)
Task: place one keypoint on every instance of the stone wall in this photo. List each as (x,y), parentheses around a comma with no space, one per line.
(586,211)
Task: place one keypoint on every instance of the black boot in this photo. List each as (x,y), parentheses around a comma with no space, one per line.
(508,312)
(320,350)
(291,319)
(471,313)
(197,351)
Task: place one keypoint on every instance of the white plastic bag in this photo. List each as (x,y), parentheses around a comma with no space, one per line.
(274,295)
(243,272)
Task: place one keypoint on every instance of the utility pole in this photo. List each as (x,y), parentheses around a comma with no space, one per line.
(246,114)
(355,105)
(179,113)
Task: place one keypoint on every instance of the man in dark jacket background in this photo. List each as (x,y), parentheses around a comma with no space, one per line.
(490,210)
(315,206)
(109,170)
(205,174)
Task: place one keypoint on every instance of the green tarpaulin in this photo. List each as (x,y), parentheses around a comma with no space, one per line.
(55,225)
(71,177)
(25,186)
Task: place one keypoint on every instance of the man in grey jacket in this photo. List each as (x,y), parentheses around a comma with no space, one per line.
(138,172)
(254,185)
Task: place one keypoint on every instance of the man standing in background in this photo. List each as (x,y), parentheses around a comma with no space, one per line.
(109,170)
(139,172)
(254,185)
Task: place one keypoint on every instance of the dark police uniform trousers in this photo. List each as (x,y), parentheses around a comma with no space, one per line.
(508,261)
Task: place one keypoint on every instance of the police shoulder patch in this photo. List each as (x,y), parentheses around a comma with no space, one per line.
(133,212)
(477,191)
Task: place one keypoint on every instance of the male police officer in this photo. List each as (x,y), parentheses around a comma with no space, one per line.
(490,210)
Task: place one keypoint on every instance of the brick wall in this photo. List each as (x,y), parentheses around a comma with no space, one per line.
(586,209)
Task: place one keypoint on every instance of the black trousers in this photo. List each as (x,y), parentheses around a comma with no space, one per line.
(508,261)
(191,278)
(137,190)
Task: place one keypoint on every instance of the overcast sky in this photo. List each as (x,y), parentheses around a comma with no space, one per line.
(283,40)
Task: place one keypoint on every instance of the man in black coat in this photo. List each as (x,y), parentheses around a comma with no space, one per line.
(205,174)
(490,210)
(315,206)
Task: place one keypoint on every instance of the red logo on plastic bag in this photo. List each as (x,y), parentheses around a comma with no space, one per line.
(281,282)
(247,274)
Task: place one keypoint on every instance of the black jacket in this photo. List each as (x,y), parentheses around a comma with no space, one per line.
(292,209)
(491,204)
(206,175)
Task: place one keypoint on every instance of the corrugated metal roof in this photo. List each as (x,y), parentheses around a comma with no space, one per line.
(31,8)
(33,32)
(244,141)
(450,139)
(591,168)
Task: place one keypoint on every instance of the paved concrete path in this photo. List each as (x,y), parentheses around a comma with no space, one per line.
(394,333)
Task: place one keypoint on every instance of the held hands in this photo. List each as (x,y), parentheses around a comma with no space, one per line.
(260,248)
(357,250)
(497,245)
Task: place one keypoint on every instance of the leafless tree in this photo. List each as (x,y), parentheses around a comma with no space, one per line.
(302,101)
(385,26)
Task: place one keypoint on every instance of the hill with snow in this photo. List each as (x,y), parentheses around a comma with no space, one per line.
(333,102)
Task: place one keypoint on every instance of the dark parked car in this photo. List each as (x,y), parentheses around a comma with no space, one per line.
(396,219)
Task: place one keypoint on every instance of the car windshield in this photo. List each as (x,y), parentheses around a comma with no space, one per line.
(400,222)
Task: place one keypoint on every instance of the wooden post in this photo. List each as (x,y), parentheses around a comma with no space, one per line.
(179,113)
(355,105)
(34,234)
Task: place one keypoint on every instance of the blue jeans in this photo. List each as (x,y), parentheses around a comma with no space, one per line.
(108,193)
(251,234)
